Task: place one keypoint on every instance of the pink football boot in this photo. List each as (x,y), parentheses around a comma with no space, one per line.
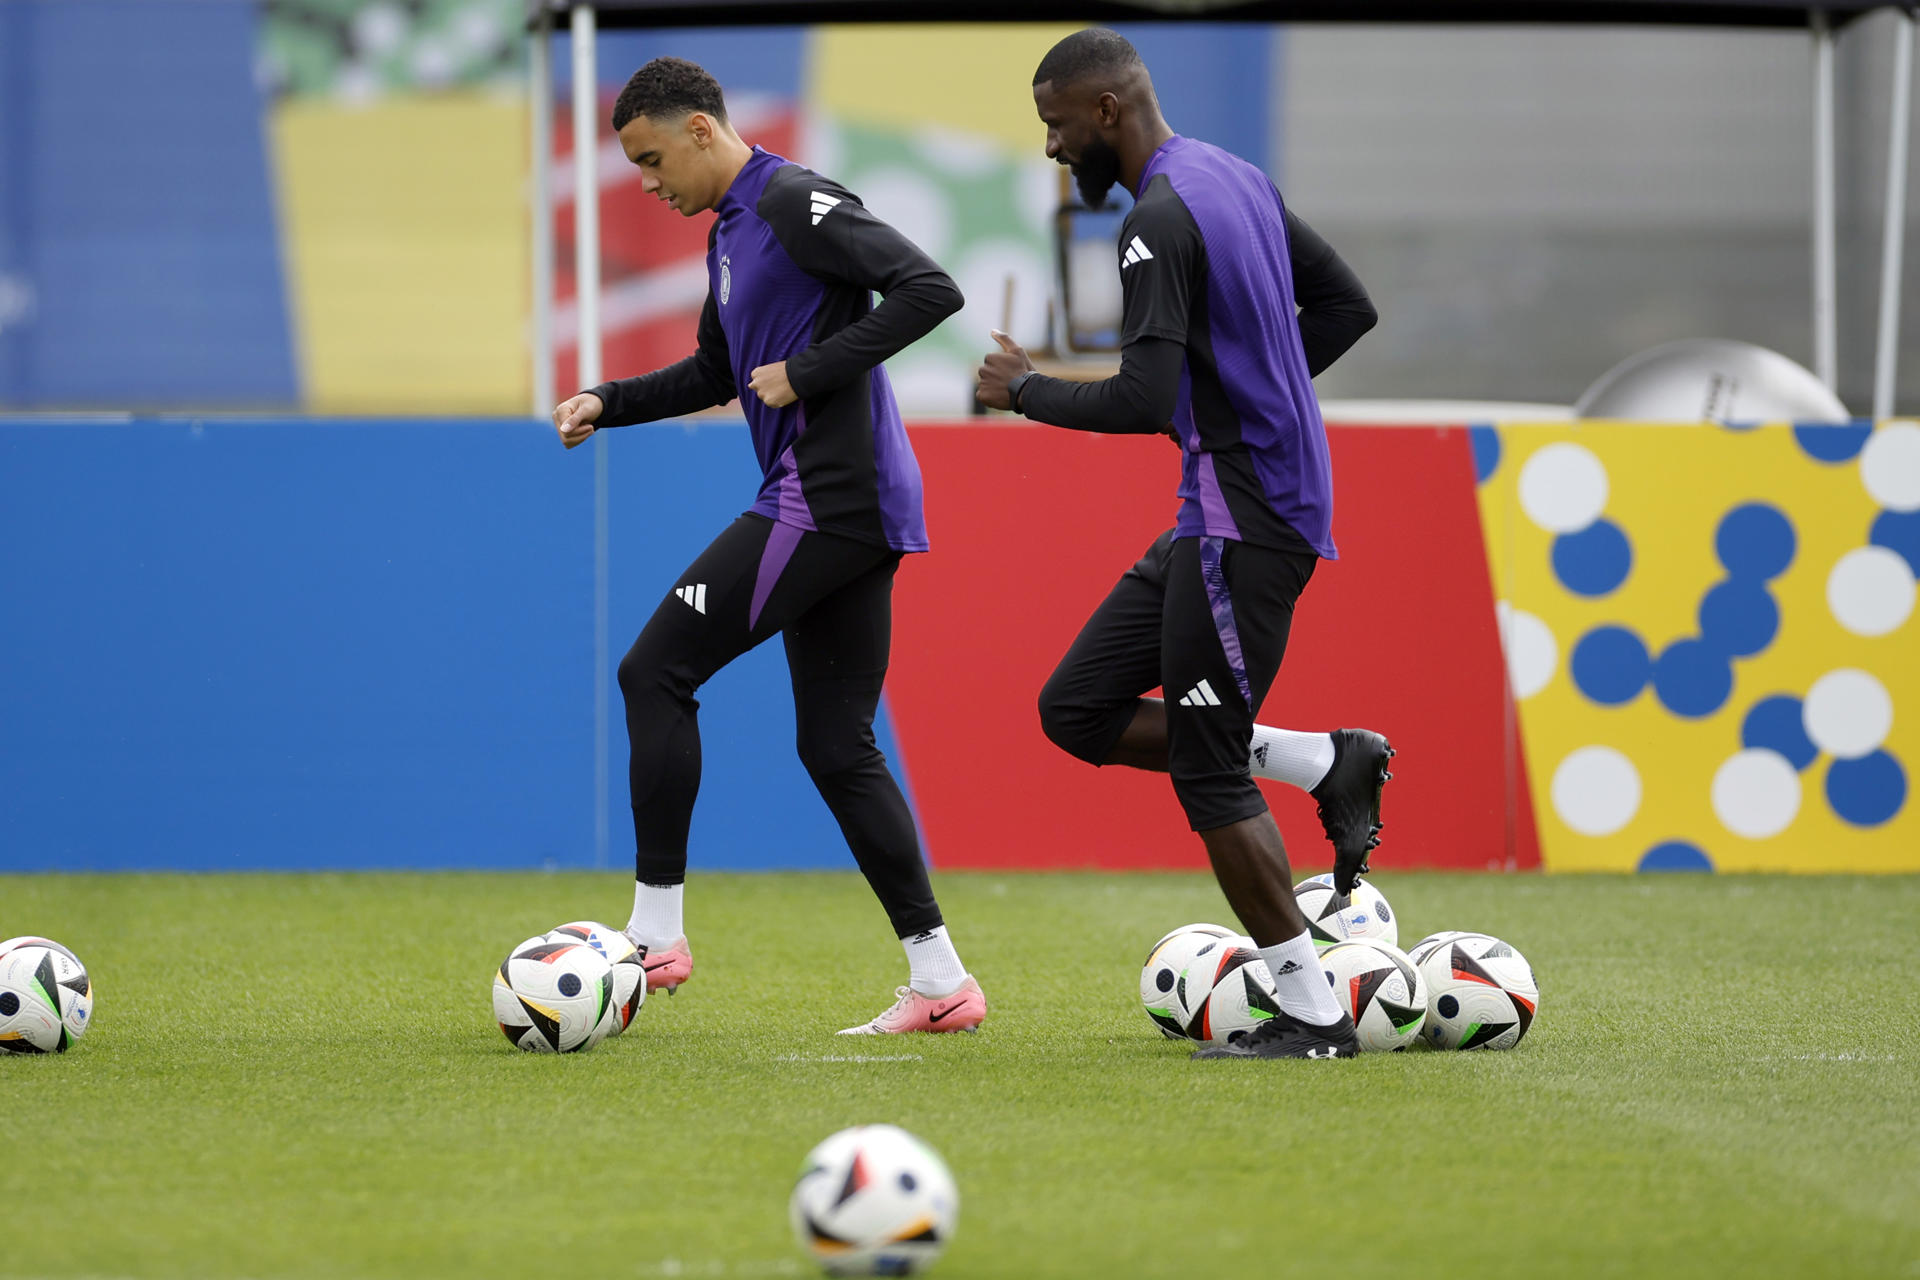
(964,1010)
(667,966)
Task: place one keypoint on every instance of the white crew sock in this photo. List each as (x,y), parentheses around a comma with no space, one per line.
(934,967)
(1300,981)
(1301,759)
(656,915)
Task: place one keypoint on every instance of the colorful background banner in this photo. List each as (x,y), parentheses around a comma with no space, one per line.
(370,644)
(1704,628)
(1710,635)
(348,232)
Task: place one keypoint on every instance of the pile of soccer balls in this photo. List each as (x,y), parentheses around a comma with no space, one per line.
(569,988)
(1453,990)
(46,997)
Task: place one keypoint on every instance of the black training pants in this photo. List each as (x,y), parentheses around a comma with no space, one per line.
(832,598)
(1207,620)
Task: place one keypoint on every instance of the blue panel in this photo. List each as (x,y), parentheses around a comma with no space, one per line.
(294,645)
(138,219)
(673,490)
(1213,80)
(357,644)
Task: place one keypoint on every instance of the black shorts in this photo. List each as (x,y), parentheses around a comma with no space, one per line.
(1207,620)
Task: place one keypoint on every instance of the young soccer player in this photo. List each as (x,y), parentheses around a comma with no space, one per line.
(1212,269)
(790,328)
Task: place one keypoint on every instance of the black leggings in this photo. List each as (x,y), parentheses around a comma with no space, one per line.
(832,598)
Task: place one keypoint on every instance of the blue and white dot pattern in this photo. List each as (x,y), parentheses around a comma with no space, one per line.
(1742,717)
(1845,716)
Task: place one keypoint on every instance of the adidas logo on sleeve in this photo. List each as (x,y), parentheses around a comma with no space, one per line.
(822,204)
(695,595)
(1201,695)
(1137,251)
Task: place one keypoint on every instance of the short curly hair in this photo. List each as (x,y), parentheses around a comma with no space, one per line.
(668,89)
(1095,49)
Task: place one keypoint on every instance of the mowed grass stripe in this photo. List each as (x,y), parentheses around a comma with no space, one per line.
(299,1076)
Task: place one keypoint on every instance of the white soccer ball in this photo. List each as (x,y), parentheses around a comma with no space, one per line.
(1230,969)
(554,997)
(1364,915)
(1381,989)
(874,1201)
(1420,950)
(1241,999)
(1166,961)
(1482,992)
(629,974)
(46,996)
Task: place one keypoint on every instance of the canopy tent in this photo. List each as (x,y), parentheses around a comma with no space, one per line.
(1820,18)
(722,13)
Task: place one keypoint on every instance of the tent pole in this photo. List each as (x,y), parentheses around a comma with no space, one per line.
(586,195)
(540,123)
(1893,233)
(1825,322)
(586,274)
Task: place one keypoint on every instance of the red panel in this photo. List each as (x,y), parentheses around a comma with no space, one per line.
(1031,526)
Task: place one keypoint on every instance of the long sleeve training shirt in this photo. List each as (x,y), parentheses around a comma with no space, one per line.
(1231,306)
(792,264)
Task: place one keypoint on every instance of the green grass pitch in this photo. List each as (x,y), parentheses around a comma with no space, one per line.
(298,1076)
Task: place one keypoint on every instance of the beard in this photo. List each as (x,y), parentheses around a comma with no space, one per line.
(1096,172)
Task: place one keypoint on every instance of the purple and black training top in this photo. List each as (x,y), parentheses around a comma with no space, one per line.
(792,263)
(1212,269)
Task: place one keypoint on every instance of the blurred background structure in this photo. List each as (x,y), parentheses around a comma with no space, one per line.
(296,577)
(321,204)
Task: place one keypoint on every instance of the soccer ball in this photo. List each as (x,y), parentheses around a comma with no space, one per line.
(874,1201)
(1381,989)
(76,996)
(1241,999)
(629,975)
(1166,960)
(46,997)
(1224,992)
(1420,950)
(1364,915)
(554,997)
(1483,992)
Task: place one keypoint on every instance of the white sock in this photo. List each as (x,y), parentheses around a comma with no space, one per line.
(934,967)
(1300,981)
(656,915)
(1301,759)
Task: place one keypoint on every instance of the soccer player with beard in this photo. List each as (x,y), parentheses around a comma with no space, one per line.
(1231,305)
(789,327)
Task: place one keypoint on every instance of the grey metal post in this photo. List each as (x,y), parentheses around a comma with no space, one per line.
(1893,234)
(586,272)
(540,195)
(1826,360)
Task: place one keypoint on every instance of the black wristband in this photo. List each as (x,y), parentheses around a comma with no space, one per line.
(1014,388)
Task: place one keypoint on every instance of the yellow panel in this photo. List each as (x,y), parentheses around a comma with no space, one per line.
(407,239)
(975,78)
(1668,489)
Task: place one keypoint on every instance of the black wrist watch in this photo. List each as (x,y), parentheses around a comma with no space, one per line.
(1014,388)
